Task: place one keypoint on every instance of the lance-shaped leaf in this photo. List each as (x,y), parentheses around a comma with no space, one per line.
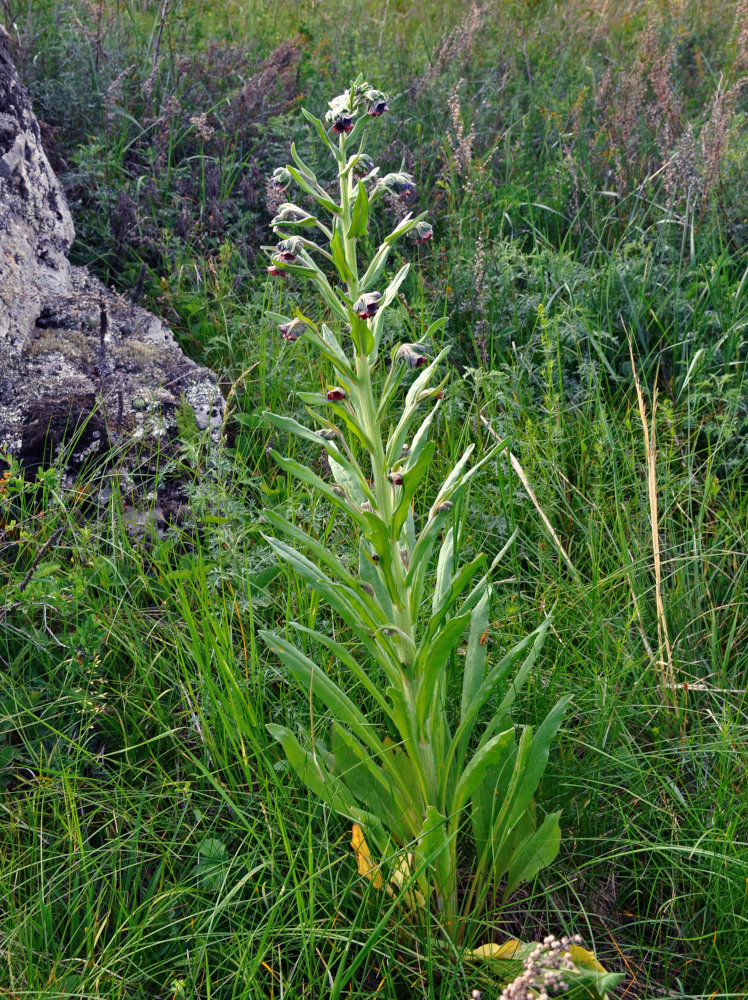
(315,681)
(369,572)
(338,255)
(353,475)
(458,583)
(412,478)
(375,268)
(434,849)
(359,214)
(305,475)
(325,785)
(432,656)
(307,184)
(399,436)
(488,759)
(348,660)
(377,789)
(443,571)
(377,324)
(534,853)
(353,605)
(320,130)
(533,642)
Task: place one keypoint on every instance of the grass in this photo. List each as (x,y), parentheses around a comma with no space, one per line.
(154,841)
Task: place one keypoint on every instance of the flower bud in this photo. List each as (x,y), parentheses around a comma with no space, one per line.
(340,115)
(412,357)
(288,249)
(376,103)
(338,491)
(335,394)
(367,587)
(402,184)
(444,507)
(367,507)
(281,178)
(422,232)
(273,270)
(368,305)
(293,330)
(289,214)
(327,434)
(395,478)
(363,165)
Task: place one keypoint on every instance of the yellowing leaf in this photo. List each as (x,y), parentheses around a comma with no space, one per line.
(363,857)
(584,959)
(505,951)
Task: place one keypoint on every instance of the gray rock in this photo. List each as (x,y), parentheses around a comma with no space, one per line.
(82,369)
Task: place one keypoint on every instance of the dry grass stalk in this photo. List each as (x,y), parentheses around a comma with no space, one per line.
(665,655)
(522,476)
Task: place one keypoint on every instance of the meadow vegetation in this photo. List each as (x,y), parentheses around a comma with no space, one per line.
(584,168)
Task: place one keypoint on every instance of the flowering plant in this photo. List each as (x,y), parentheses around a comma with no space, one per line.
(433,783)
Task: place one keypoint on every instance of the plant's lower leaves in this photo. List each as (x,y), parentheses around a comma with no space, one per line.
(534,853)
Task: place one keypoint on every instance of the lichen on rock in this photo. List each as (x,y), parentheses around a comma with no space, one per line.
(83,372)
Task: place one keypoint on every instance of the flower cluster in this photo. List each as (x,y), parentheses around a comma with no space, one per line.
(543,970)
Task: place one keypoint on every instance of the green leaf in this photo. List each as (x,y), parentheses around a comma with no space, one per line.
(370,573)
(377,323)
(350,478)
(487,757)
(412,477)
(315,682)
(338,256)
(308,184)
(305,475)
(433,846)
(320,130)
(535,852)
(360,214)
(378,791)
(443,570)
(432,656)
(487,688)
(347,659)
(326,785)
(375,268)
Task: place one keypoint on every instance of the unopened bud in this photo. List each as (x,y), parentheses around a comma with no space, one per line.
(292,215)
(376,103)
(411,355)
(367,305)
(401,183)
(293,330)
(327,434)
(421,232)
(281,178)
(395,478)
